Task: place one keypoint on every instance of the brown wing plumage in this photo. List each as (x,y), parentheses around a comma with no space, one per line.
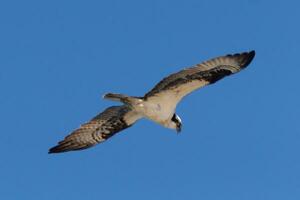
(183,82)
(99,129)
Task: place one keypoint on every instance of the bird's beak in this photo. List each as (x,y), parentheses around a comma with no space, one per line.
(178,129)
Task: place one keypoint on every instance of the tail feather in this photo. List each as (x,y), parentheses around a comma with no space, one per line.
(114,97)
(121,98)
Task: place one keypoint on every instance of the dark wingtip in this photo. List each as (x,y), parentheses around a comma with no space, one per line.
(61,147)
(252,52)
(248,58)
(55,149)
(50,152)
(66,146)
(251,55)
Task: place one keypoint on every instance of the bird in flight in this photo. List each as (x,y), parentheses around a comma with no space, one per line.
(158,105)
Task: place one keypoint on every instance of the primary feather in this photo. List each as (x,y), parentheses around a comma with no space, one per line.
(99,129)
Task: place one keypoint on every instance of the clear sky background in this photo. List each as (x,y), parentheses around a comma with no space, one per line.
(240,138)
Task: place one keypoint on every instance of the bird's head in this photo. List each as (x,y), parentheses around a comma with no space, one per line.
(176,123)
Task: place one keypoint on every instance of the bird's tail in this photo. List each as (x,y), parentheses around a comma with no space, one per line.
(122,98)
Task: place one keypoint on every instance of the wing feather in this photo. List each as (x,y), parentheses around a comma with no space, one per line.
(178,85)
(99,129)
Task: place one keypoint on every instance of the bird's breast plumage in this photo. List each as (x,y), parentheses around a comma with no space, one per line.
(158,111)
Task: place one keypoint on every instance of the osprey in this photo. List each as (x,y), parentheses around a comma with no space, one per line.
(158,105)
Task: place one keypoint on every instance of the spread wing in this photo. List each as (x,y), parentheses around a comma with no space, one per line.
(99,129)
(174,87)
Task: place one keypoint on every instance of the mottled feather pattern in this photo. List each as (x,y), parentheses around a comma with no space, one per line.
(209,71)
(100,128)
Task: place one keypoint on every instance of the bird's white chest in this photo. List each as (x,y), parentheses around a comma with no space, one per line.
(159,112)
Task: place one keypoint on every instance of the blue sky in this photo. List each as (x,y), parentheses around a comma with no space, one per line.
(240,137)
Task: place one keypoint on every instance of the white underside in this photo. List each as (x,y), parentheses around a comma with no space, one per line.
(161,108)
